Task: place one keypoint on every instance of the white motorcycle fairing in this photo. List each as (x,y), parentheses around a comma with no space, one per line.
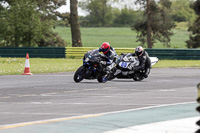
(154,60)
(127,63)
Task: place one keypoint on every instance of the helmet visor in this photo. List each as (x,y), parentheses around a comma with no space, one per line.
(105,50)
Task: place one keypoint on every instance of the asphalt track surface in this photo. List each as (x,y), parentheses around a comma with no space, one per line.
(47,98)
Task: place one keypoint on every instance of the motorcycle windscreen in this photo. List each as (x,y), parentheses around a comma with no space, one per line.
(94,52)
(154,60)
(91,53)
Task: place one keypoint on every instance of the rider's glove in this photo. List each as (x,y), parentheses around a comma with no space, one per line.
(115,59)
(100,49)
(103,62)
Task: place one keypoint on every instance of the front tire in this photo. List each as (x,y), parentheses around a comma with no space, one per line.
(102,78)
(79,74)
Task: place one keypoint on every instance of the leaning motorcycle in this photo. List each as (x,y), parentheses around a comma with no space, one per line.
(92,67)
(125,64)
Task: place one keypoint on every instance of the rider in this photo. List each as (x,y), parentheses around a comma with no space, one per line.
(145,62)
(109,52)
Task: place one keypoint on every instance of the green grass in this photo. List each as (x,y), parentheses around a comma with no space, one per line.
(10,66)
(120,36)
(15,66)
(177,64)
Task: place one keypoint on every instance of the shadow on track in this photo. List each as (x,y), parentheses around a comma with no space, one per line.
(125,80)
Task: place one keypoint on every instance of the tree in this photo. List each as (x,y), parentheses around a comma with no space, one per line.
(26,23)
(100,11)
(194,41)
(20,24)
(75,26)
(124,17)
(149,23)
(181,11)
(49,8)
(156,24)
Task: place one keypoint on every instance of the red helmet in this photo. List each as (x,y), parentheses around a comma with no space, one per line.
(105,47)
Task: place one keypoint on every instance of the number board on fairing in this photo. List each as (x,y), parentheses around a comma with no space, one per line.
(124,64)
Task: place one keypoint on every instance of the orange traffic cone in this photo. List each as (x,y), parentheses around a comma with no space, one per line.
(27,66)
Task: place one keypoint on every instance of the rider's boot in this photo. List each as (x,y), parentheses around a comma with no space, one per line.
(147,71)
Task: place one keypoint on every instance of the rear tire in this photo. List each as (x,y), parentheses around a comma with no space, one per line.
(79,74)
(138,77)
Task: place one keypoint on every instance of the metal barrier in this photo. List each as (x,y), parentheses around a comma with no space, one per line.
(78,52)
(175,54)
(38,52)
(198,108)
(171,54)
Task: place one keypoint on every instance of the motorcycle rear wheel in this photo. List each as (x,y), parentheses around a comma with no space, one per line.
(79,74)
(138,77)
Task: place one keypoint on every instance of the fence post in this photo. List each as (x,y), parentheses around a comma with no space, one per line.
(198,108)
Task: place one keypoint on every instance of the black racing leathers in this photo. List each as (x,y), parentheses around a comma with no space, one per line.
(145,63)
(112,58)
(111,55)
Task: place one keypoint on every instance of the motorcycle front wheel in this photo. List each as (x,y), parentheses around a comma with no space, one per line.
(102,78)
(79,74)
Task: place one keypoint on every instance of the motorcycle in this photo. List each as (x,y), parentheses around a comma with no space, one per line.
(92,67)
(125,64)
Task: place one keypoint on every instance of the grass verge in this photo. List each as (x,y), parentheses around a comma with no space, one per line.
(15,66)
